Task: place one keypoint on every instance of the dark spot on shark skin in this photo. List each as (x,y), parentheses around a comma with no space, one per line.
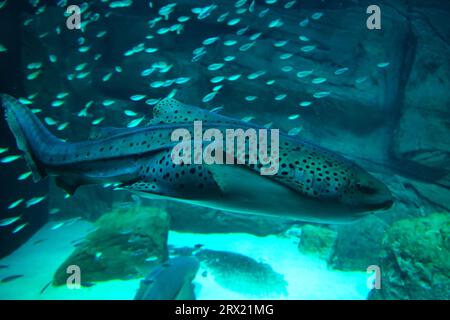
(3,266)
(11,278)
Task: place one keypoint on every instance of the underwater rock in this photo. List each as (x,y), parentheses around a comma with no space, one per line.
(358,244)
(120,244)
(415,260)
(241,273)
(318,241)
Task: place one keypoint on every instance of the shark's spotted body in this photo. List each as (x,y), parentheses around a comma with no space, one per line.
(312,184)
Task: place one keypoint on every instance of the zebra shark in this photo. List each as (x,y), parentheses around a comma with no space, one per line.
(313,184)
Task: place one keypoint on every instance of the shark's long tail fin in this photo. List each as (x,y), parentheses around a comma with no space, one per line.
(31,135)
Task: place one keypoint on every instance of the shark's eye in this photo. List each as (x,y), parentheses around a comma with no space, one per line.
(365,189)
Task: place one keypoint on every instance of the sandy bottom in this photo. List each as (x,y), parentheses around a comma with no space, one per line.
(307,277)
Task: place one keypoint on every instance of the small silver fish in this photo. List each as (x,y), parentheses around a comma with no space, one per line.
(341,71)
(276,23)
(295,131)
(215,66)
(98,121)
(322,94)
(62,126)
(216,109)
(233,22)
(234,77)
(217,79)
(151,259)
(34,75)
(317,15)
(210,41)
(50,121)
(57,103)
(305,103)
(280,97)
(318,80)
(383,64)
(108,102)
(256,74)
(130,113)
(230,43)
(307,48)
(247,46)
(137,97)
(247,119)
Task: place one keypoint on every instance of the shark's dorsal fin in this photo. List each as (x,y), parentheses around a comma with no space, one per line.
(172,111)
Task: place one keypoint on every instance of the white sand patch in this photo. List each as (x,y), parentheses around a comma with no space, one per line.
(307,277)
